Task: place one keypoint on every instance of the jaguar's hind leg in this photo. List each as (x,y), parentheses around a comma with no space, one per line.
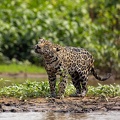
(76,83)
(83,83)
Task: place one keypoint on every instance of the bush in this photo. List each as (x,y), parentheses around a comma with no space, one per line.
(93,25)
(3,59)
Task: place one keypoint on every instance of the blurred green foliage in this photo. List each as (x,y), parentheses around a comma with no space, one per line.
(91,24)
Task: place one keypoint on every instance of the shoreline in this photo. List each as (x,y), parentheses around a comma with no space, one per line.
(68,104)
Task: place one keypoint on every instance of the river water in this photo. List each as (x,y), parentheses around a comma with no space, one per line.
(112,115)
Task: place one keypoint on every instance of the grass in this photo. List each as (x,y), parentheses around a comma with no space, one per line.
(17,68)
(25,90)
(41,89)
(104,90)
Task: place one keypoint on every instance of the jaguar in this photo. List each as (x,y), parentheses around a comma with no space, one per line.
(67,61)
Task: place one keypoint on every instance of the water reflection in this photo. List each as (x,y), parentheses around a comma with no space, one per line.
(113,115)
(65,116)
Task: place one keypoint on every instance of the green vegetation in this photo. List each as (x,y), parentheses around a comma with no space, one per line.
(104,90)
(41,89)
(21,68)
(91,24)
(25,90)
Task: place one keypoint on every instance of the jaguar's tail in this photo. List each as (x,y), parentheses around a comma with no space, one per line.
(98,77)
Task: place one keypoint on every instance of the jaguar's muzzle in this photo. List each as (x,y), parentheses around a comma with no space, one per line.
(37,48)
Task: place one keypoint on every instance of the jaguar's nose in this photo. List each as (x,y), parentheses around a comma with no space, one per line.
(37,47)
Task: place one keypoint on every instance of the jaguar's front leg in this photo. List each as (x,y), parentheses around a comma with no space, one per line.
(62,84)
(52,84)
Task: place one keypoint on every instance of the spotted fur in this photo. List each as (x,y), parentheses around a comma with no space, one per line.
(64,61)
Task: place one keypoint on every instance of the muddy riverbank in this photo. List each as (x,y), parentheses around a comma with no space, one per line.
(70,104)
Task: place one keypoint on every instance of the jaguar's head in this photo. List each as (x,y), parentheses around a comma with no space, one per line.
(46,48)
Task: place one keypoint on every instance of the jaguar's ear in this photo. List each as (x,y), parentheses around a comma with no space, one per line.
(41,40)
(56,49)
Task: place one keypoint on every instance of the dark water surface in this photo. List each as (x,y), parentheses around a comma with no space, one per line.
(113,115)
